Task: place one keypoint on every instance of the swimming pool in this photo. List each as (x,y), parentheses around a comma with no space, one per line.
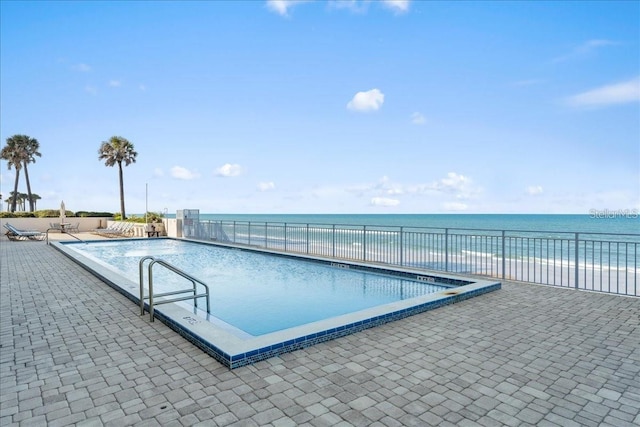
(267,303)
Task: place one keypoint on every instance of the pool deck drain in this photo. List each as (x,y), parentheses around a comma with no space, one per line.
(75,352)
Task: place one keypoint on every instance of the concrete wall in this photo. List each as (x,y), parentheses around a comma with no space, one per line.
(168,227)
(173,227)
(42,224)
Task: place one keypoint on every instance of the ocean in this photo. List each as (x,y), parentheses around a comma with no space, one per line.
(610,222)
(598,251)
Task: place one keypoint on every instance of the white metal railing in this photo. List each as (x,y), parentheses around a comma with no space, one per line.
(603,262)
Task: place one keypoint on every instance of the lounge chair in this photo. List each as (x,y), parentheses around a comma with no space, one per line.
(16,234)
(113,228)
(118,229)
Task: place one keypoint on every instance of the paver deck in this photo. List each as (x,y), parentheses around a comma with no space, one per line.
(75,352)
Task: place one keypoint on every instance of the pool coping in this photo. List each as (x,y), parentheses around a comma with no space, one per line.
(234,351)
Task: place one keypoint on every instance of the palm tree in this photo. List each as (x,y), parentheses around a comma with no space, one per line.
(116,151)
(18,199)
(34,199)
(22,197)
(30,147)
(14,154)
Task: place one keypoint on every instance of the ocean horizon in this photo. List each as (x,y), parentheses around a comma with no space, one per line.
(599,250)
(622,221)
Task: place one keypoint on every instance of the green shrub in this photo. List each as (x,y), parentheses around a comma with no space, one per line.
(55,213)
(17,215)
(151,217)
(85,214)
(52,213)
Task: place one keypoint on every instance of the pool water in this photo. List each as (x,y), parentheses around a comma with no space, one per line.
(256,293)
(266,303)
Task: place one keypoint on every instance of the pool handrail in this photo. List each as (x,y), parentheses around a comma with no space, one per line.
(62,231)
(179,272)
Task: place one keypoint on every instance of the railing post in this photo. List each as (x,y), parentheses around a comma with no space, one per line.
(307,237)
(364,243)
(401,246)
(446,249)
(577,259)
(266,241)
(504,260)
(141,273)
(285,236)
(333,240)
(150,275)
(195,292)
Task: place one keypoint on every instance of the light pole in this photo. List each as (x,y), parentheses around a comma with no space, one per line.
(146,206)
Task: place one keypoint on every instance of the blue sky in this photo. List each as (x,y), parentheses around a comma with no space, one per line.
(327,106)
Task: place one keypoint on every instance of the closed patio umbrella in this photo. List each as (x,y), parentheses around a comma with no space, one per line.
(63,213)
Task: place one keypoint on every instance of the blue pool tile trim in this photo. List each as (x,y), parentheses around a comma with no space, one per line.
(256,355)
(259,354)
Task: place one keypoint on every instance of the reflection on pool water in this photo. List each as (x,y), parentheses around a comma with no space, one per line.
(257,298)
(260,293)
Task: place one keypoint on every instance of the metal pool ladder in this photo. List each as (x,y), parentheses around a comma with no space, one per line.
(151,297)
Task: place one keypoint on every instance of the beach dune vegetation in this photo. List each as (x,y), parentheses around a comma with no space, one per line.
(55,213)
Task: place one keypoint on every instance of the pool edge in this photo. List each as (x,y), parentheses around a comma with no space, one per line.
(235,358)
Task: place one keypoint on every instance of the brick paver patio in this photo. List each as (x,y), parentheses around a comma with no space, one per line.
(75,352)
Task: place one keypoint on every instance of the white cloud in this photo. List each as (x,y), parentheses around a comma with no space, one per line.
(455,206)
(384,185)
(388,187)
(83,68)
(179,172)
(362,6)
(398,6)
(590,45)
(229,170)
(384,201)
(266,186)
(91,89)
(453,186)
(114,83)
(452,192)
(418,119)
(585,49)
(370,100)
(278,6)
(534,190)
(453,182)
(355,6)
(529,82)
(460,186)
(282,7)
(617,93)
